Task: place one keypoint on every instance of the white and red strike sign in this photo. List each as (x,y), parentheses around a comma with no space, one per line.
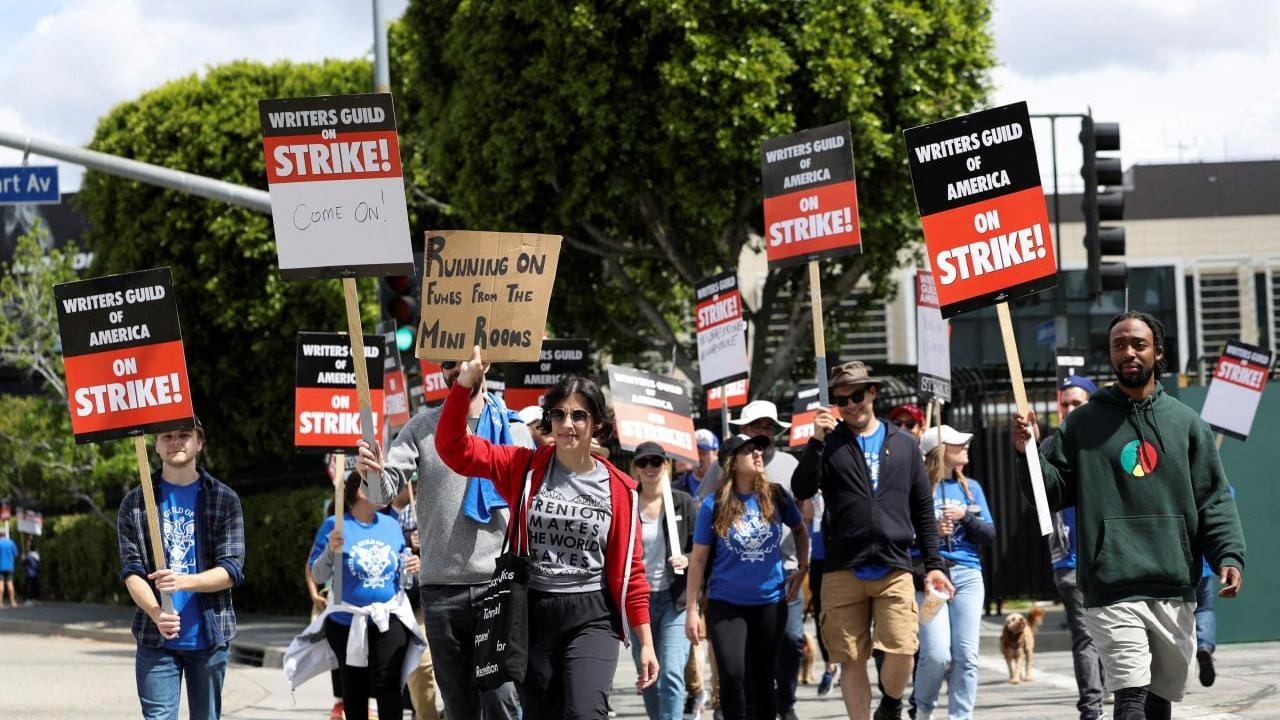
(434,388)
(337,189)
(326,409)
(652,408)
(122,352)
(738,395)
(395,390)
(933,340)
(985,223)
(810,197)
(1238,381)
(803,414)
(722,340)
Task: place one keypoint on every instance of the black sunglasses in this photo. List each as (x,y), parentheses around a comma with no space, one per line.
(650,461)
(579,417)
(448,364)
(906,423)
(855,398)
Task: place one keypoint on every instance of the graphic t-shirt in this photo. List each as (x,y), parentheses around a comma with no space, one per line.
(871,446)
(181,534)
(747,566)
(8,553)
(569,522)
(655,553)
(370,559)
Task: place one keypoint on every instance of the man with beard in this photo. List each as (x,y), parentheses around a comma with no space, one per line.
(1143,473)
(878,500)
(461,522)
(203,533)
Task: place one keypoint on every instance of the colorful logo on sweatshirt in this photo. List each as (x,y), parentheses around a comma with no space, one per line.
(1139,463)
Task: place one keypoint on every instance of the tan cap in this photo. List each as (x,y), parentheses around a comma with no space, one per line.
(853,372)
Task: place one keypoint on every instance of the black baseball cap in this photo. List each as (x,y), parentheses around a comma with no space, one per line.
(647,449)
(740,442)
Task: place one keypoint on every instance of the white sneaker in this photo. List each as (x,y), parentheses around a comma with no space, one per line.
(701,703)
(924,714)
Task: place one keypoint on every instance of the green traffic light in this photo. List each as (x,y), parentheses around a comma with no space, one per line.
(404,338)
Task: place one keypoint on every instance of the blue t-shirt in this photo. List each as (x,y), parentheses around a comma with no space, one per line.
(747,566)
(8,553)
(961,550)
(177,505)
(1069,520)
(370,560)
(871,446)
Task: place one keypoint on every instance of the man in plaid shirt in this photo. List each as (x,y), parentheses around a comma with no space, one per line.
(203,532)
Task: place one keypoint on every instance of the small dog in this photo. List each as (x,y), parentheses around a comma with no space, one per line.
(809,659)
(1018,642)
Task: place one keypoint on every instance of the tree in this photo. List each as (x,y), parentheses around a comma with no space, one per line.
(43,463)
(239,317)
(634,130)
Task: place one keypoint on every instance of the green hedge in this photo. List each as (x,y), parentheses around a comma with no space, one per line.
(80,561)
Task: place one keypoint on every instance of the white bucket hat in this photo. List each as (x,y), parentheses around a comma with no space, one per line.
(950,436)
(757,409)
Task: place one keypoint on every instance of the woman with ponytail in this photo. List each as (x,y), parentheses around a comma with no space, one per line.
(736,547)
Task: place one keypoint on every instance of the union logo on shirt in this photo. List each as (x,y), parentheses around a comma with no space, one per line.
(373,562)
(1139,463)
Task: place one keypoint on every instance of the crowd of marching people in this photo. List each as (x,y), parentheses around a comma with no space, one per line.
(875,528)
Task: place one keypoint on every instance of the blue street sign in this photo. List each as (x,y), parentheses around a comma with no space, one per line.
(29,185)
(1045,333)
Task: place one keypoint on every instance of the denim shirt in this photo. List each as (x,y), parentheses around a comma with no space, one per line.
(221,545)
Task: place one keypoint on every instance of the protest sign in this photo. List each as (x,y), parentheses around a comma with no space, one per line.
(326,414)
(810,198)
(738,395)
(652,408)
(1238,381)
(486,288)
(803,414)
(433,386)
(337,189)
(395,391)
(30,522)
(122,352)
(526,383)
(1070,361)
(721,332)
(986,227)
(4,512)
(933,340)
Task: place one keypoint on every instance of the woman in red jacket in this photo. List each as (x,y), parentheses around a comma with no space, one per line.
(587,586)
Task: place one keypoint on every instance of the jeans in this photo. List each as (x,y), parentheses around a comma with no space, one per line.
(1084,653)
(664,700)
(952,637)
(160,673)
(1206,621)
(447,612)
(790,655)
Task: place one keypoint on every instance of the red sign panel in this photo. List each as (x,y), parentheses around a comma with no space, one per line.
(738,390)
(434,388)
(803,415)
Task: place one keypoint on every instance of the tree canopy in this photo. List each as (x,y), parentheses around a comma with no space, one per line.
(634,130)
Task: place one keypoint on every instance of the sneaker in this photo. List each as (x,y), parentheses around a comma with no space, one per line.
(688,705)
(889,709)
(1204,656)
(337,713)
(824,685)
(788,715)
(923,714)
(700,703)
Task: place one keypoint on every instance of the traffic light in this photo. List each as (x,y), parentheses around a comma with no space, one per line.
(1098,205)
(399,295)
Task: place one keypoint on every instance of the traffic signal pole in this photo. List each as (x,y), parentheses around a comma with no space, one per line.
(1060,328)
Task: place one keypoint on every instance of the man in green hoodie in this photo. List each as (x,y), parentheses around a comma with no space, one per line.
(1143,472)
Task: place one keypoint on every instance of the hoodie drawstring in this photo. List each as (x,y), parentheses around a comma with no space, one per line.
(1137,411)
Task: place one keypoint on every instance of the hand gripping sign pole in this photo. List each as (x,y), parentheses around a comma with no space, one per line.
(986,227)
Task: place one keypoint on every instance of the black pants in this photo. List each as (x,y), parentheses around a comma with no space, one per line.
(381,680)
(746,640)
(816,568)
(573,653)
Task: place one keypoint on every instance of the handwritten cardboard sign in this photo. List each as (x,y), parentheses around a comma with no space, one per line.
(337,189)
(652,408)
(326,410)
(803,414)
(526,383)
(985,223)
(122,352)
(810,197)
(933,340)
(1238,381)
(489,289)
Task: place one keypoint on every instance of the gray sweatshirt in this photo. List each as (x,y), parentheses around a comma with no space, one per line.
(456,550)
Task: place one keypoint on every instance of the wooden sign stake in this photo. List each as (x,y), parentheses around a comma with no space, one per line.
(928,414)
(153,516)
(356,333)
(1020,395)
(339,500)
(819,334)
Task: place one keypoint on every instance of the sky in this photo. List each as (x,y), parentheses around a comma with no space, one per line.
(1186,80)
